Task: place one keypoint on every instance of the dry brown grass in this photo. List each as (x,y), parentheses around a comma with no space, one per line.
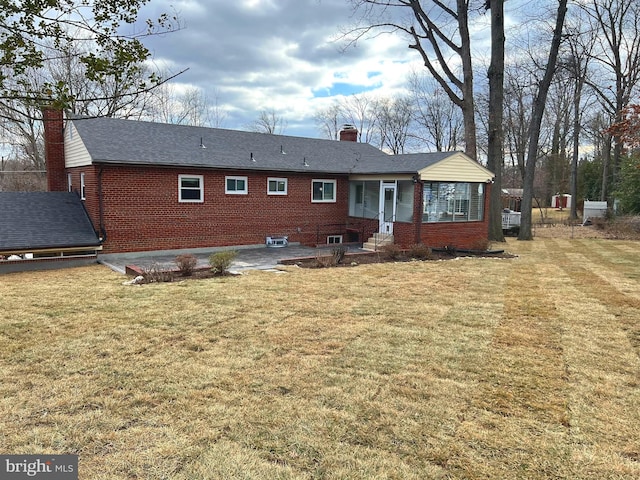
(461,369)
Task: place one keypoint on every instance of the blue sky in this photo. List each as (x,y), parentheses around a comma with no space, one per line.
(280,55)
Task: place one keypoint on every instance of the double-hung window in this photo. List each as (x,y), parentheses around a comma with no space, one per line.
(276,186)
(236,185)
(190,188)
(323,191)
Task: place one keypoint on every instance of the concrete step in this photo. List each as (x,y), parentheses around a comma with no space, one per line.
(378,241)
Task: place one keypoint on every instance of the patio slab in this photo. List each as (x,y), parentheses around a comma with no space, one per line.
(258,258)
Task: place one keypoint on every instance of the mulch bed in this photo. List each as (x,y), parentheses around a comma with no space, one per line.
(170,275)
(364,258)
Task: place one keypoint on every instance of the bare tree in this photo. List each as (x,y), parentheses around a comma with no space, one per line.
(117,94)
(495,144)
(393,123)
(616,55)
(440,34)
(187,106)
(268,122)
(357,110)
(576,65)
(328,121)
(536,122)
(517,117)
(438,122)
(216,113)
(103,95)
(558,118)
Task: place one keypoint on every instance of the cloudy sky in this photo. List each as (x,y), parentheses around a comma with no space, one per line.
(281,55)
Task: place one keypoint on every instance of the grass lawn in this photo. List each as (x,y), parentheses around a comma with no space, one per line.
(524,368)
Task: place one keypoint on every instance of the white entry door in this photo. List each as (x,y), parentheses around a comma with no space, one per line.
(387,207)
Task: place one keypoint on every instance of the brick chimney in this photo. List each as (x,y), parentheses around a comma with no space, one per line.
(54,149)
(348,133)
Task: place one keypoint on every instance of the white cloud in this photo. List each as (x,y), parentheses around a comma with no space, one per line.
(277,54)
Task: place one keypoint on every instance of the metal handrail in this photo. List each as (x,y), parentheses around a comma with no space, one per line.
(382,236)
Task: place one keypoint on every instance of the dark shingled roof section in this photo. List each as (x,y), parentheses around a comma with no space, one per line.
(132,142)
(42,220)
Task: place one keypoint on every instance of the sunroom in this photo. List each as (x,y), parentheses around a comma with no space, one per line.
(438,199)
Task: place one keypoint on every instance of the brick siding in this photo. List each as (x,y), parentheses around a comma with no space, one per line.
(142,211)
(54,150)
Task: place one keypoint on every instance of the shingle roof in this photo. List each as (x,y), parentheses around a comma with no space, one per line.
(406,163)
(44,220)
(111,140)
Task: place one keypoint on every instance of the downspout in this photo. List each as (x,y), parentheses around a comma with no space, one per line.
(417,208)
(103,231)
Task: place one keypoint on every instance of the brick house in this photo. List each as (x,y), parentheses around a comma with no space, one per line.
(151,186)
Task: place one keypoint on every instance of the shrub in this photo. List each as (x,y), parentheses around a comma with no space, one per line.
(156,273)
(420,251)
(338,253)
(220,261)
(599,223)
(622,227)
(325,261)
(481,245)
(186,264)
(450,250)
(392,251)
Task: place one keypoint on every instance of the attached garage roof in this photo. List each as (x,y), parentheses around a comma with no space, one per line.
(32,221)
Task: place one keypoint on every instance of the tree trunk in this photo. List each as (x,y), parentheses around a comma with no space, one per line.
(573,182)
(573,188)
(496,134)
(606,160)
(468,103)
(536,121)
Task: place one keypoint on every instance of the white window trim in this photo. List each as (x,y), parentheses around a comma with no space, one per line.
(201,188)
(334,237)
(69,183)
(277,179)
(236,192)
(83,192)
(335,185)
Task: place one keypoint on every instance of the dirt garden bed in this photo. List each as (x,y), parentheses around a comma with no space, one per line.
(337,259)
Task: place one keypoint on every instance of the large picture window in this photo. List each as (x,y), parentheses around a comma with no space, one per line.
(453,202)
(323,191)
(191,188)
